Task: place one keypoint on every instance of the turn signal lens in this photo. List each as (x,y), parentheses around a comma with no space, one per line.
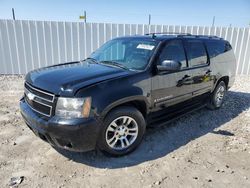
(86,107)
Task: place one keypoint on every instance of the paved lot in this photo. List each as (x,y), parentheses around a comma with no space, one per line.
(202,149)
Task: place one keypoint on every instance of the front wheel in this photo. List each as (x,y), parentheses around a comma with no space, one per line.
(122,131)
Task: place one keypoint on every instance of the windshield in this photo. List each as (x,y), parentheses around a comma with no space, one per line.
(129,53)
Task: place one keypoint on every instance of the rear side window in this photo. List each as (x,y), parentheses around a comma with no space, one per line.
(173,50)
(196,53)
(216,48)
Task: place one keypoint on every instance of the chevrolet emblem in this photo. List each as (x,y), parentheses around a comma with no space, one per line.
(30,96)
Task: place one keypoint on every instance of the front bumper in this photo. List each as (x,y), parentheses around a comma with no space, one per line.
(71,134)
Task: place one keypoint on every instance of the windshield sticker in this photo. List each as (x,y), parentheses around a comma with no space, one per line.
(145,46)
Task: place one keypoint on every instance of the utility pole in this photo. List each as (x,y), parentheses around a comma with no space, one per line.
(213,21)
(13,14)
(149,19)
(85,15)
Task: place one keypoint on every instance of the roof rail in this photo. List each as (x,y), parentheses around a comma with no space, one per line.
(168,33)
(183,35)
(210,36)
(205,36)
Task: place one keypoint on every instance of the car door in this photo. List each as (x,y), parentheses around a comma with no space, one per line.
(198,62)
(169,88)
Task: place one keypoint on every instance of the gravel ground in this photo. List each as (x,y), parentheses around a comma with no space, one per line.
(202,149)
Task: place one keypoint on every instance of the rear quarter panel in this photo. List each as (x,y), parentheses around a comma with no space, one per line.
(224,65)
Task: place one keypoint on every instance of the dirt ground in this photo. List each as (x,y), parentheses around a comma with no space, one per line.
(202,149)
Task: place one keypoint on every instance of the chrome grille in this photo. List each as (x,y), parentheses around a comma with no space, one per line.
(40,101)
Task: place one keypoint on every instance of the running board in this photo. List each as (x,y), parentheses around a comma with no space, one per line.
(166,118)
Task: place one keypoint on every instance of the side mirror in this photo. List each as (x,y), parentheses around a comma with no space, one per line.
(169,65)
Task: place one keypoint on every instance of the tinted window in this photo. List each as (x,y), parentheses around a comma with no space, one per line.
(196,53)
(215,48)
(173,51)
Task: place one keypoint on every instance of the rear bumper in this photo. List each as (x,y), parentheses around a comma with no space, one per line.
(71,134)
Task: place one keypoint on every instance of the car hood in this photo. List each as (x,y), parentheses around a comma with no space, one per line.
(66,79)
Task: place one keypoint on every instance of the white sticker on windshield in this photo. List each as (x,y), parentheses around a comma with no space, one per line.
(145,46)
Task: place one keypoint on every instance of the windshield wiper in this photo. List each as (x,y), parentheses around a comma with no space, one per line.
(91,59)
(115,64)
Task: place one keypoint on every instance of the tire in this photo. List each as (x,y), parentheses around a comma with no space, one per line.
(122,131)
(217,97)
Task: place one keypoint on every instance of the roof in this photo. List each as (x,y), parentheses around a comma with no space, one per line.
(171,35)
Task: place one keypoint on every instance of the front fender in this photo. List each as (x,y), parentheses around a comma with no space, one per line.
(132,99)
(111,93)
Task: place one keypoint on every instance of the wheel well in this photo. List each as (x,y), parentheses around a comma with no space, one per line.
(139,105)
(225,79)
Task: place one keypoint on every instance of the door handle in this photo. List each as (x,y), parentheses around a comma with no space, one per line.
(181,81)
(208,71)
(186,76)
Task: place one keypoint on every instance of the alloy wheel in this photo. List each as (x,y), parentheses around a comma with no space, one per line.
(219,95)
(121,132)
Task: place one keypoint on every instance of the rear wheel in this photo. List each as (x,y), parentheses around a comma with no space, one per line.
(122,131)
(218,95)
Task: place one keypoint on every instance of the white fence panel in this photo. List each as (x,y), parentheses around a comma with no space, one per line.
(27,45)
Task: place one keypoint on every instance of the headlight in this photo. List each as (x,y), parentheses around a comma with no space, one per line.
(73,107)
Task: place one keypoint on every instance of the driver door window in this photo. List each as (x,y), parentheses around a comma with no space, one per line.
(173,50)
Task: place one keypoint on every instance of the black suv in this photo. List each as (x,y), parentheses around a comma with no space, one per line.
(107,100)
